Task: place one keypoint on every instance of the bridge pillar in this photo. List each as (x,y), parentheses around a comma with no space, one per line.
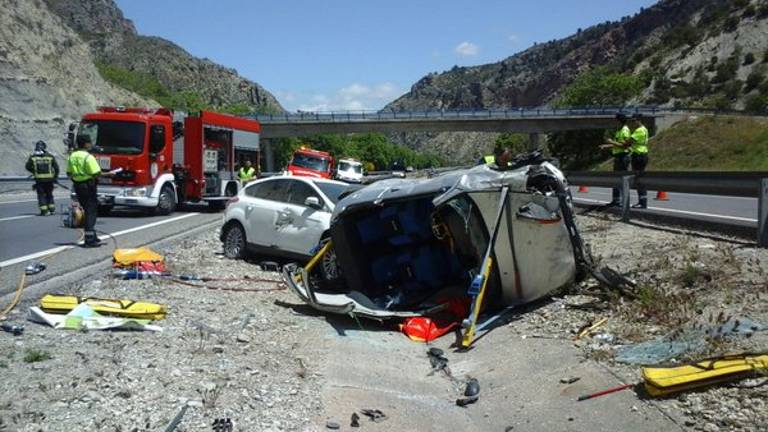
(534,141)
(269,155)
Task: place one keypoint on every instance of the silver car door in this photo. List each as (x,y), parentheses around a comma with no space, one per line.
(300,226)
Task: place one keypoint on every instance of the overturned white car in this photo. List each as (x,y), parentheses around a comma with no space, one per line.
(400,247)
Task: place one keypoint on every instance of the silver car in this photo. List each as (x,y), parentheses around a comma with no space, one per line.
(280,216)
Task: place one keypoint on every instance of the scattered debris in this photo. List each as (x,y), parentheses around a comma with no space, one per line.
(605,392)
(471,393)
(685,340)
(354,420)
(374,415)
(589,328)
(14,329)
(569,380)
(176,420)
(270,266)
(332,424)
(34,268)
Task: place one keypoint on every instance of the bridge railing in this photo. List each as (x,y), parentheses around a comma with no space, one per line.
(506,113)
(728,183)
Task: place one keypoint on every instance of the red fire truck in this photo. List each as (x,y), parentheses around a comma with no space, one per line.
(156,170)
(311,163)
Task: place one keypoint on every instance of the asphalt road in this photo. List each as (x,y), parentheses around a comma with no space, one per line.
(738,211)
(27,237)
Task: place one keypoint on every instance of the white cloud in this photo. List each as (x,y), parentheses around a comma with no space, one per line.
(466,49)
(514,38)
(353,97)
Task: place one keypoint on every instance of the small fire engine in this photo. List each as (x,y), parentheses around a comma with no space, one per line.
(311,163)
(161,160)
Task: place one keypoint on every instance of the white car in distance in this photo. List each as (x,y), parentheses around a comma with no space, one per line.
(282,216)
(350,171)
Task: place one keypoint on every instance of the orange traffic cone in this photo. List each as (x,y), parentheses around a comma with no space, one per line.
(583,189)
(661,196)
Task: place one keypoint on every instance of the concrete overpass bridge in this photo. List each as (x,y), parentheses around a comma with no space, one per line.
(532,121)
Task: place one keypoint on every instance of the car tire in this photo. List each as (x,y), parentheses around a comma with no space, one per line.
(166,201)
(329,275)
(234,241)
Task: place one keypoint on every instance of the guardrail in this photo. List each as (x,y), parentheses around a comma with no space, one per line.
(729,183)
(22,179)
(506,113)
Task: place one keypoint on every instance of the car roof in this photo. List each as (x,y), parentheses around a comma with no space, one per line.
(305,179)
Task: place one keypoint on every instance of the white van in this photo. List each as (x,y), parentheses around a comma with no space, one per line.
(350,171)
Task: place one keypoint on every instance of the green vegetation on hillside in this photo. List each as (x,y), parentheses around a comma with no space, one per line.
(599,86)
(149,87)
(712,143)
(373,149)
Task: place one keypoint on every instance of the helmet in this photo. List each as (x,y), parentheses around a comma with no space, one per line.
(40,146)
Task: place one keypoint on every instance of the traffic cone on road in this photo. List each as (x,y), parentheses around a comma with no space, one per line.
(583,189)
(661,196)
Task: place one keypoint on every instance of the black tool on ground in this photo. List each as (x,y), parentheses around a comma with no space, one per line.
(374,415)
(471,393)
(34,268)
(176,420)
(354,420)
(223,425)
(438,361)
(15,330)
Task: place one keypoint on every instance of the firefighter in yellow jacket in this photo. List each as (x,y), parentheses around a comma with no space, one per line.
(84,170)
(45,170)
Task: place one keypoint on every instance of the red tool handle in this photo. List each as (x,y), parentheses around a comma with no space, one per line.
(604,392)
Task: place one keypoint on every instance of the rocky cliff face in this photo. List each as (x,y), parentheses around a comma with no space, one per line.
(680,46)
(113,40)
(47,78)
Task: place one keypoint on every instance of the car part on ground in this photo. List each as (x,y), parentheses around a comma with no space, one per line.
(406,246)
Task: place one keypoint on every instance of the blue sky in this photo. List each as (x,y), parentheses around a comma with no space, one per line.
(345,54)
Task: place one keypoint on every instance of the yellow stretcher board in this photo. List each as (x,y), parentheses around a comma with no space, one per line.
(665,381)
(128,257)
(62,304)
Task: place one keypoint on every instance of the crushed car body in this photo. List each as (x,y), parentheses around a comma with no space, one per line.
(404,247)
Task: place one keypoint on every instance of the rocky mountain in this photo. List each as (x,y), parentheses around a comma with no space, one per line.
(47,78)
(699,53)
(116,45)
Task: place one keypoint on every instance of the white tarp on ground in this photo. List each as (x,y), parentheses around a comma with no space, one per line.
(83,317)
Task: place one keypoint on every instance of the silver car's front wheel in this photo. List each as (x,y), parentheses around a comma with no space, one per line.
(234,242)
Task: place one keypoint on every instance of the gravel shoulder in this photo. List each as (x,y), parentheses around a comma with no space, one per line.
(270,363)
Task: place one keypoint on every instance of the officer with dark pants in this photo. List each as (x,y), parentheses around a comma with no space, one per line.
(83,169)
(620,152)
(45,170)
(638,141)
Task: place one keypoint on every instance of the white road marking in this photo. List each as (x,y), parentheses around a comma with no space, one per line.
(736,218)
(15,218)
(47,252)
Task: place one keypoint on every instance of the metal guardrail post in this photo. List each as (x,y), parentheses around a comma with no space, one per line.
(762,214)
(625,190)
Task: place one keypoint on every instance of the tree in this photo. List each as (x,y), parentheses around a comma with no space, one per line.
(756,104)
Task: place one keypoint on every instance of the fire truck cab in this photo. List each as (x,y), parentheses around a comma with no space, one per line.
(162,159)
(311,163)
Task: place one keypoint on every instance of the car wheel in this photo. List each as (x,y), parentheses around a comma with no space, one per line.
(234,241)
(329,275)
(166,202)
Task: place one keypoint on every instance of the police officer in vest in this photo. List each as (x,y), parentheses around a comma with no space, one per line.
(45,170)
(247,172)
(620,152)
(638,146)
(83,169)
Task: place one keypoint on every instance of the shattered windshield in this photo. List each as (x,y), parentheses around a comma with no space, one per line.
(114,137)
(310,162)
(347,166)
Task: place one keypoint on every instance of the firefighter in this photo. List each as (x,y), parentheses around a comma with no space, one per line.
(247,172)
(83,169)
(45,170)
(620,152)
(638,146)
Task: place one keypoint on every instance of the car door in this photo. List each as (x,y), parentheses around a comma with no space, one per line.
(263,201)
(299,227)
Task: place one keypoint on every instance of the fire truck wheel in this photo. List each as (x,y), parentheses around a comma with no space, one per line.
(166,202)
(234,241)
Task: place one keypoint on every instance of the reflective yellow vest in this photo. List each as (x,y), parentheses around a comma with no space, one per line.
(82,166)
(639,140)
(247,174)
(42,167)
(490,159)
(621,135)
